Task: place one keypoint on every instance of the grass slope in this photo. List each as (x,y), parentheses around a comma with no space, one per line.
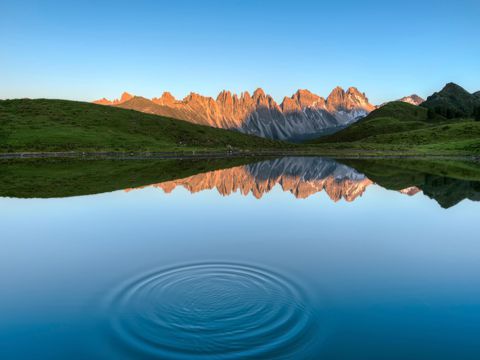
(59,125)
(407,128)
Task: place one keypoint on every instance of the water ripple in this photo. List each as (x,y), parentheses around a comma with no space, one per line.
(213,310)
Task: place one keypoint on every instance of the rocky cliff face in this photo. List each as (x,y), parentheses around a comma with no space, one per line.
(300,115)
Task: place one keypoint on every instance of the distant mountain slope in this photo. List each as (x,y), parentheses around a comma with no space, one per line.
(60,125)
(403,127)
(453,101)
(413,99)
(303,114)
(391,118)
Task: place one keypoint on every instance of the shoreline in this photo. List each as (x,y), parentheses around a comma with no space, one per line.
(200,155)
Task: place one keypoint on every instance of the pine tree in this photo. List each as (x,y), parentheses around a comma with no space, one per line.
(476,113)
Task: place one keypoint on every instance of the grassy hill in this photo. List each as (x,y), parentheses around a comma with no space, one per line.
(391,118)
(407,128)
(59,125)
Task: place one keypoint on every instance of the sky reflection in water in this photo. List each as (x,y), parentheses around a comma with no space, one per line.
(387,275)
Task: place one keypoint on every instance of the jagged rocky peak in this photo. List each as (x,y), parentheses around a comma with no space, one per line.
(289,104)
(305,98)
(194,97)
(258,94)
(337,93)
(246,96)
(336,99)
(355,98)
(123,98)
(302,99)
(352,99)
(225,96)
(263,100)
(354,91)
(166,99)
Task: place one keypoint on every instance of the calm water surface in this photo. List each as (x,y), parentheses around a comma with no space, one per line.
(294,258)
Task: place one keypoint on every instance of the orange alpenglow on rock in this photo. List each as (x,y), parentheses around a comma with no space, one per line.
(304,113)
(302,177)
(124,98)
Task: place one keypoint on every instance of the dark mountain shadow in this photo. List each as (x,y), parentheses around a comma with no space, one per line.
(449,192)
(447,182)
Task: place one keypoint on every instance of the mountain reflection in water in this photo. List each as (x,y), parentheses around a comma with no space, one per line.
(447,182)
(301,176)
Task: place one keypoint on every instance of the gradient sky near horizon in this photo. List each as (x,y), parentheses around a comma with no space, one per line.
(84,50)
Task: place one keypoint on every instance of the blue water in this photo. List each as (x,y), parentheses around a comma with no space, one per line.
(146,274)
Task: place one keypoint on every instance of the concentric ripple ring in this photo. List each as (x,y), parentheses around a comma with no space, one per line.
(212,310)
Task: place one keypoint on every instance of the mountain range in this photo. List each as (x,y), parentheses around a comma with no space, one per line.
(306,116)
(300,116)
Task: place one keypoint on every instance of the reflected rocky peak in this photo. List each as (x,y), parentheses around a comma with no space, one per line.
(306,176)
(301,176)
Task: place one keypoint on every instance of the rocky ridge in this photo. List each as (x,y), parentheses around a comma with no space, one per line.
(302,114)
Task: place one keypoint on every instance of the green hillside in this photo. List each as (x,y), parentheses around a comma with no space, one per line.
(59,125)
(391,118)
(407,128)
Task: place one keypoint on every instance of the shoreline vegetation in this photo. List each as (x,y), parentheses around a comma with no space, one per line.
(206,155)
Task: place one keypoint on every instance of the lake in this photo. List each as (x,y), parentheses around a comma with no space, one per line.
(289,258)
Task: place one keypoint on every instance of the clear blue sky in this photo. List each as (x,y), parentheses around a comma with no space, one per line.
(89,49)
